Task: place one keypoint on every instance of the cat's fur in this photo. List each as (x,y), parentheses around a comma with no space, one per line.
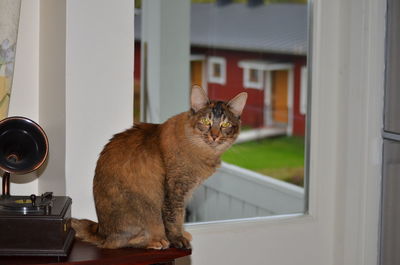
(145,175)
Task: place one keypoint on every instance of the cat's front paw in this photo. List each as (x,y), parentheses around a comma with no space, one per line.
(180,242)
(187,235)
(159,244)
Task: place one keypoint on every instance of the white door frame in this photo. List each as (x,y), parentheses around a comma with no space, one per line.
(268,120)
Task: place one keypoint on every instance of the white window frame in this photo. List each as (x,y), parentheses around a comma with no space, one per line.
(261,67)
(247,83)
(216,79)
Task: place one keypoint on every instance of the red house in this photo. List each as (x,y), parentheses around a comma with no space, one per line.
(260,50)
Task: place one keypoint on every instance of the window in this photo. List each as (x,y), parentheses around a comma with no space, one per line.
(253,78)
(217,70)
(263,174)
(252,75)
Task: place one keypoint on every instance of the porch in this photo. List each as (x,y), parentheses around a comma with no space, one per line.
(234,192)
(261,133)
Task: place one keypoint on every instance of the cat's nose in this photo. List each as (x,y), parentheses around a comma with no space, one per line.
(214,133)
(214,137)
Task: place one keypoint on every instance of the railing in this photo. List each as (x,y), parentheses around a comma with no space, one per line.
(235,192)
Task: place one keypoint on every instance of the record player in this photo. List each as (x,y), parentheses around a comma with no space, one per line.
(33,225)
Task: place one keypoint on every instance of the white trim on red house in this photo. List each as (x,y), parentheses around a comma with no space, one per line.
(290,99)
(268,99)
(248,83)
(264,65)
(197,57)
(221,79)
(247,67)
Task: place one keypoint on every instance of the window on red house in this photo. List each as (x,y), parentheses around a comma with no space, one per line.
(217,70)
(254,76)
(263,173)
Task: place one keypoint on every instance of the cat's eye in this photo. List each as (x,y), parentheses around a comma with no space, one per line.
(206,121)
(225,124)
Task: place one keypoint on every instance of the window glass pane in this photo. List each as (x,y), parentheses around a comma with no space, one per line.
(392,92)
(216,70)
(264,53)
(390,215)
(390,241)
(254,75)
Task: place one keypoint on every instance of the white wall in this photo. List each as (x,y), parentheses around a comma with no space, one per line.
(99,88)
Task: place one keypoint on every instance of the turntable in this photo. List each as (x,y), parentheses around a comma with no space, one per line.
(30,225)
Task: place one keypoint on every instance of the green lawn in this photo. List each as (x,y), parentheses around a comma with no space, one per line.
(279,157)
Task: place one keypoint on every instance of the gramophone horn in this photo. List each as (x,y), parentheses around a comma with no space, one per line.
(23,145)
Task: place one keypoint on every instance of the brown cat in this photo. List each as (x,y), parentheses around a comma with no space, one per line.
(145,175)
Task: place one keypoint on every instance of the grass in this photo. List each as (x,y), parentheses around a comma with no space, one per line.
(279,157)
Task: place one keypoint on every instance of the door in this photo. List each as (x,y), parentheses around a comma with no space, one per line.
(280,96)
(196,73)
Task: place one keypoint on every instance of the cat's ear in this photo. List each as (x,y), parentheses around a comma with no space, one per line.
(198,98)
(236,105)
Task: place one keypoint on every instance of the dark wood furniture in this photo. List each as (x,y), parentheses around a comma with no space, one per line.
(87,254)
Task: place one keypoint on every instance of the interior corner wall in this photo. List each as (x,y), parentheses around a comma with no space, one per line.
(99,89)
(25,90)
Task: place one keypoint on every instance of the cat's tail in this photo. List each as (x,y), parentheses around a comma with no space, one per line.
(86,230)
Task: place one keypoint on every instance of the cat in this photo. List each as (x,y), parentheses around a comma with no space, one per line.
(145,175)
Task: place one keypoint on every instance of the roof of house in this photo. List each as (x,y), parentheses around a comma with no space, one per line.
(274,28)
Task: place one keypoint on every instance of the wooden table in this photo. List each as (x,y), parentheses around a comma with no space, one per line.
(87,254)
